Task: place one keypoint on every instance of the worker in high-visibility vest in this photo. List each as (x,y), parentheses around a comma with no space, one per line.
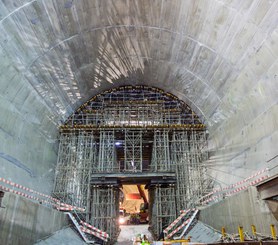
(144,240)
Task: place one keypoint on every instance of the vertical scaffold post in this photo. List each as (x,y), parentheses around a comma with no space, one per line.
(161,154)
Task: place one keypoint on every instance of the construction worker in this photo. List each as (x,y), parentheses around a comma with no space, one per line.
(144,240)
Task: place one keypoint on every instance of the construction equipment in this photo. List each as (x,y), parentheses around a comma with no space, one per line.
(144,212)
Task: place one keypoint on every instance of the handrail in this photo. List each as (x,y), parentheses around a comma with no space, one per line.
(188,224)
(184,214)
(166,230)
(33,195)
(74,221)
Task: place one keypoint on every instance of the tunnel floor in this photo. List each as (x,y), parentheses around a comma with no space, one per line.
(130,231)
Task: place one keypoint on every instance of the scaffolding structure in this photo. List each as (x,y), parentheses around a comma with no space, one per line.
(134,106)
(161,153)
(73,171)
(130,130)
(163,209)
(107,153)
(191,173)
(104,209)
(133,151)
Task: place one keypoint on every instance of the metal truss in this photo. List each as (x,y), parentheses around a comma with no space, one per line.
(133,106)
(107,154)
(161,154)
(180,157)
(73,172)
(191,175)
(104,209)
(133,151)
(163,209)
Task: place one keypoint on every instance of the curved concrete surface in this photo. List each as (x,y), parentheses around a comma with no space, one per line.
(218,56)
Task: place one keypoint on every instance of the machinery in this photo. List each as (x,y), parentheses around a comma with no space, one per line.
(144,213)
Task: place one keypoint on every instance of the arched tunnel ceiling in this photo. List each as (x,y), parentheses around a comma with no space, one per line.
(215,55)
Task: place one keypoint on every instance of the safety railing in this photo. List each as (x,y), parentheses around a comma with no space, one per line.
(221,193)
(71,211)
(244,236)
(184,220)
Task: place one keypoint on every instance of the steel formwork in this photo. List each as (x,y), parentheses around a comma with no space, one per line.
(132,130)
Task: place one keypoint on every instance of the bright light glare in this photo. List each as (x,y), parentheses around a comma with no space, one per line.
(121,220)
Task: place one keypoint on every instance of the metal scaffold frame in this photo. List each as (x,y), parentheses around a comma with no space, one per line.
(191,173)
(104,209)
(163,211)
(133,151)
(138,106)
(76,153)
(132,130)
(161,154)
(107,154)
(179,153)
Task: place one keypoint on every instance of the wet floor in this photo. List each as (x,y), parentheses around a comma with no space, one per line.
(128,232)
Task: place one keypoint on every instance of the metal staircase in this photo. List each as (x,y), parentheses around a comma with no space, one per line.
(180,225)
(77,226)
(96,236)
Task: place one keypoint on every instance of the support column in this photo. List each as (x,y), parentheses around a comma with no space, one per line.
(104,209)
(160,154)
(133,151)
(163,208)
(107,152)
(73,171)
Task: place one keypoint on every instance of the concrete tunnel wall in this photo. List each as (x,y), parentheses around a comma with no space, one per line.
(244,209)
(25,222)
(220,57)
(28,148)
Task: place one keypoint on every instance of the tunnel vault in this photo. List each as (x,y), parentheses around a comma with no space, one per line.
(132,134)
